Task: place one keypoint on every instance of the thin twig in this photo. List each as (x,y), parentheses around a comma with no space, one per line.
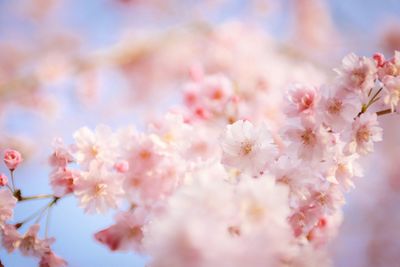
(33,215)
(385,111)
(48,221)
(12,179)
(36,197)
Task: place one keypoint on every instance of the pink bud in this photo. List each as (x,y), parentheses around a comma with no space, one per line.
(121,166)
(3,179)
(12,159)
(379,59)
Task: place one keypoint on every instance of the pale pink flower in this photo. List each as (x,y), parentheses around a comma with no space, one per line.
(329,199)
(144,155)
(100,145)
(98,189)
(62,181)
(357,74)
(240,220)
(10,237)
(50,259)
(247,148)
(392,91)
(31,245)
(326,228)
(303,101)
(12,159)
(156,184)
(308,141)
(365,131)
(7,205)
(61,155)
(208,96)
(172,132)
(339,110)
(3,179)
(342,169)
(291,173)
(126,234)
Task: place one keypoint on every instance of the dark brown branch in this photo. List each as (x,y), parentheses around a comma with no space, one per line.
(385,111)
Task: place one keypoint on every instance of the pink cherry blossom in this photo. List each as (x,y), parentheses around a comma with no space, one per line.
(50,259)
(253,216)
(31,245)
(357,74)
(12,159)
(10,237)
(303,101)
(392,90)
(365,131)
(61,155)
(247,148)
(62,181)
(99,145)
(308,140)
(98,189)
(339,109)
(172,132)
(7,205)
(126,234)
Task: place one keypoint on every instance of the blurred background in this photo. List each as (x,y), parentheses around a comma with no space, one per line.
(69,63)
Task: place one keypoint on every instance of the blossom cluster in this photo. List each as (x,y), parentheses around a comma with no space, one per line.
(28,244)
(211,179)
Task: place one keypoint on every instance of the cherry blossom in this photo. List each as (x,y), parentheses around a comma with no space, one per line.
(308,140)
(340,108)
(7,205)
(62,181)
(357,73)
(98,189)
(303,101)
(50,259)
(365,131)
(11,238)
(247,148)
(98,145)
(31,245)
(392,88)
(127,233)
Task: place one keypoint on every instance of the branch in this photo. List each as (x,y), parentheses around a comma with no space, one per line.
(385,111)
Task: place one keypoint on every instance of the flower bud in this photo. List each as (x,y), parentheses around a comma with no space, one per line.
(12,159)
(3,179)
(121,166)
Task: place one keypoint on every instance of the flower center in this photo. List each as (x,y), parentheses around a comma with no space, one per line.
(308,137)
(335,106)
(100,189)
(135,232)
(145,154)
(363,134)
(358,76)
(247,148)
(306,102)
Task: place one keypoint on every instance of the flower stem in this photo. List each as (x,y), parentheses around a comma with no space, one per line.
(39,213)
(12,179)
(36,197)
